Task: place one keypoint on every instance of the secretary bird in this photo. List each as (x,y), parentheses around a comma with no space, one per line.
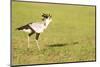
(36,28)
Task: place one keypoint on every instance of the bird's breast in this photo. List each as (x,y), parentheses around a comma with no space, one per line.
(37,27)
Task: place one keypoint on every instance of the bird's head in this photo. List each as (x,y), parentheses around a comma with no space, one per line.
(47,17)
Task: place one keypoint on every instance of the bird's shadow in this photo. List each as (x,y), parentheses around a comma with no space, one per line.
(57,45)
(62,44)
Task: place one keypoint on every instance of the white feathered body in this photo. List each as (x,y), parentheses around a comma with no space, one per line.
(40,26)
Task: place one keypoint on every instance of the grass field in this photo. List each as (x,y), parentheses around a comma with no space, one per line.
(70,37)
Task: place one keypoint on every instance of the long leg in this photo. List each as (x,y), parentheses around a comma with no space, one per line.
(28,41)
(37,37)
(29,38)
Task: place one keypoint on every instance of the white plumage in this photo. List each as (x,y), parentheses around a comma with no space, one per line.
(40,26)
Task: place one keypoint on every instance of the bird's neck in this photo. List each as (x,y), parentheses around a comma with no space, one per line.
(46,22)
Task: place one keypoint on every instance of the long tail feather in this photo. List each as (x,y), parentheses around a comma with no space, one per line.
(23,27)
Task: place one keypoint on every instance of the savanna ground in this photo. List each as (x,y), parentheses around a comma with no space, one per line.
(70,37)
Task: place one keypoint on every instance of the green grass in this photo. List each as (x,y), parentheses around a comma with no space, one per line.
(70,37)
